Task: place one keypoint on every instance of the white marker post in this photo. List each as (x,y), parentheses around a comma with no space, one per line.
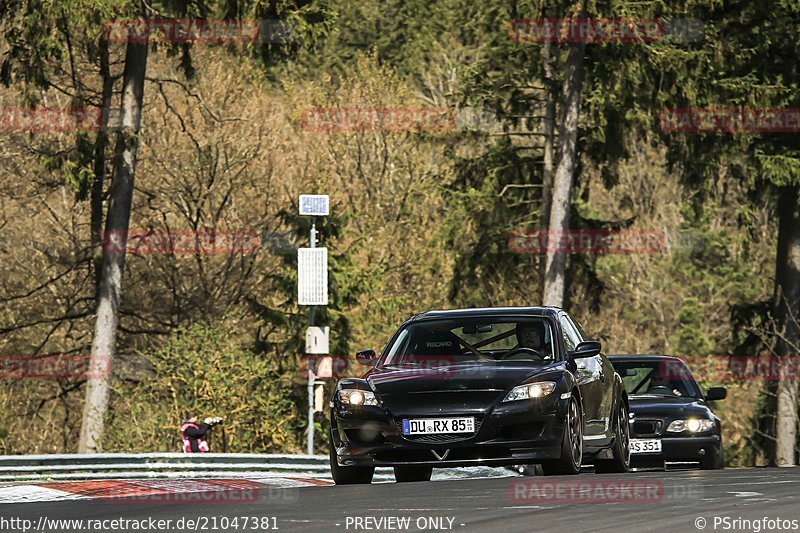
(312,286)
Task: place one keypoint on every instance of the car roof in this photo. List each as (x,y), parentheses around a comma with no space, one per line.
(644,358)
(487,311)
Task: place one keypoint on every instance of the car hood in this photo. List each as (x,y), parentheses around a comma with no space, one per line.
(657,405)
(459,388)
(390,380)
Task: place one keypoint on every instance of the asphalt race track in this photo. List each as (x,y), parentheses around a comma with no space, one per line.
(674,501)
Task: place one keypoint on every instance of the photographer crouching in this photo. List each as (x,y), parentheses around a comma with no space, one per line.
(195,437)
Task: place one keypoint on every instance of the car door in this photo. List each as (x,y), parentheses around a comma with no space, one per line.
(588,379)
(605,371)
(588,376)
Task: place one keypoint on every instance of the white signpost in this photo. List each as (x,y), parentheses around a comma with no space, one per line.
(312,289)
(317,340)
(312,276)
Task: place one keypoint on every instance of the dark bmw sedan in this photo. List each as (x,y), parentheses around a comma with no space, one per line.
(671,418)
(500,386)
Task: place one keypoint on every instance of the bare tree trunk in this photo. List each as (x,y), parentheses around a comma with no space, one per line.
(787,313)
(113,265)
(100,145)
(556,261)
(549,134)
(549,147)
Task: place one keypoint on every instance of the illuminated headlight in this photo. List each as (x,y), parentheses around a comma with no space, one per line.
(693,425)
(532,390)
(357,397)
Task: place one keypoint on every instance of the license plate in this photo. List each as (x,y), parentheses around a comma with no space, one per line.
(645,445)
(428,426)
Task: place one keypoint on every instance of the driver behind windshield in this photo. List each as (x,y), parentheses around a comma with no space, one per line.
(530,335)
(661,385)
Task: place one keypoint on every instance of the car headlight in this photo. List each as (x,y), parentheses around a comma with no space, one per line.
(693,425)
(357,397)
(531,390)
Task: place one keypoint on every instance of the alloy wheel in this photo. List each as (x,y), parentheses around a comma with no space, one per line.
(575,433)
(624,434)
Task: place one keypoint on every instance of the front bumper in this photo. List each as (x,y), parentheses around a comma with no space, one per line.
(681,449)
(513,433)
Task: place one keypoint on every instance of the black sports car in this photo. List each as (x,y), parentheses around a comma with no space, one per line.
(501,386)
(671,419)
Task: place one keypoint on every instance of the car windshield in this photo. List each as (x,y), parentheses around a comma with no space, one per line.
(667,377)
(473,340)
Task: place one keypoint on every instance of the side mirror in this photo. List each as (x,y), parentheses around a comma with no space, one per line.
(366,357)
(716,393)
(586,349)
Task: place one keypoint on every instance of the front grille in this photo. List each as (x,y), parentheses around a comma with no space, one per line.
(647,427)
(439,438)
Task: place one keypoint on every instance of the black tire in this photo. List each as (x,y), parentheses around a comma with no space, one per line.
(571,444)
(715,461)
(621,450)
(348,475)
(406,474)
